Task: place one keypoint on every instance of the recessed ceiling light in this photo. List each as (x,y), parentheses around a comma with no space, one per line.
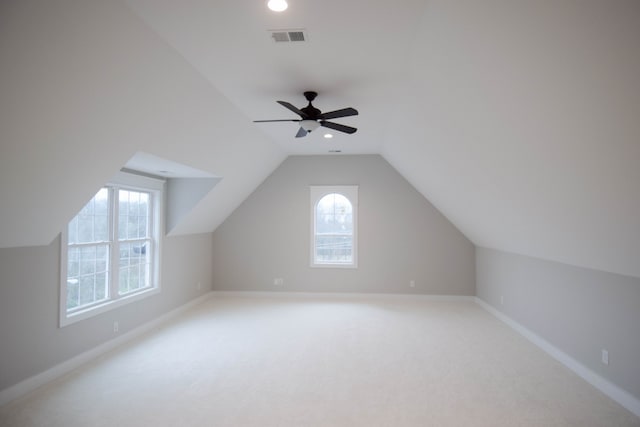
(328,135)
(277,5)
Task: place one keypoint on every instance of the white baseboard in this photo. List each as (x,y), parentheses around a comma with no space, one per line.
(26,386)
(346,295)
(621,396)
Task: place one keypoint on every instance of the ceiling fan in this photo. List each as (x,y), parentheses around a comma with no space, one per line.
(311,118)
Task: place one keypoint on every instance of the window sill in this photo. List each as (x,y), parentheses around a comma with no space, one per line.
(328,265)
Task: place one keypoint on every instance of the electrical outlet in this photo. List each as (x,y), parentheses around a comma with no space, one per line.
(501,300)
(199,286)
(412,283)
(605,356)
(116,327)
(278,281)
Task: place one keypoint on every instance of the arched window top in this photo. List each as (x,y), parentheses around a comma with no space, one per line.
(333,230)
(334,214)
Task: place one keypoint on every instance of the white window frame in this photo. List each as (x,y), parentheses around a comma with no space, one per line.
(317,192)
(124,181)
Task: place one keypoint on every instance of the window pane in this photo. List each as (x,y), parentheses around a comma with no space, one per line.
(334,230)
(123,212)
(87,260)
(73,262)
(133,218)
(122,221)
(86,275)
(134,266)
(144,204)
(72,294)
(335,249)
(91,289)
(101,290)
(85,228)
(141,232)
(91,224)
(334,215)
(124,280)
(87,284)
(73,231)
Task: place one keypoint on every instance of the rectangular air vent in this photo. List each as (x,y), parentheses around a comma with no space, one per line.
(296,36)
(285,36)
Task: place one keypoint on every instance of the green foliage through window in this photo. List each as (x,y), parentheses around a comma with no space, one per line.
(91,245)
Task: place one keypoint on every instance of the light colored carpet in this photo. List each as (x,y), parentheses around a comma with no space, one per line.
(297,361)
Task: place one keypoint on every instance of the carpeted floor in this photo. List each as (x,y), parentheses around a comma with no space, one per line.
(298,361)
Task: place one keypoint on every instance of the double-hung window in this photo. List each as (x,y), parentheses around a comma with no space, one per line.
(334,228)
(110,249)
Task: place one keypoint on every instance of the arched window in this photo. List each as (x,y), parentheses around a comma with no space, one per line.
(334,214)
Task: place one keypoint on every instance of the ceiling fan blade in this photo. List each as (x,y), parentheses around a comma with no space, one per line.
(339,113)
(301,133)
(287,105)
(282,120)
(338,127)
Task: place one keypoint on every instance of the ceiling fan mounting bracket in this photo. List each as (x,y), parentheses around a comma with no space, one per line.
(310,95)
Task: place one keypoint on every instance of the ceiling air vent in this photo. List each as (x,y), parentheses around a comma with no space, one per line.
(285,36)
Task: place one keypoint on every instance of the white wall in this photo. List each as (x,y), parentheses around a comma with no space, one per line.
(402,237)
(30,339)
(578,310)
(85,85)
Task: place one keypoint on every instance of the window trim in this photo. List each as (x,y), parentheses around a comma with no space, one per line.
(134,182)
(316,193)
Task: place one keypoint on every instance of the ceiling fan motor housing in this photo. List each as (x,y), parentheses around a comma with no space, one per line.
(311,112)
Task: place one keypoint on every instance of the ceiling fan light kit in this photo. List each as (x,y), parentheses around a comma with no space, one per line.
(311,118)
(309,125)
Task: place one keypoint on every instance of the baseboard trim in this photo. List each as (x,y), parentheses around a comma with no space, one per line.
(30,384)
(345,295)
(619,395)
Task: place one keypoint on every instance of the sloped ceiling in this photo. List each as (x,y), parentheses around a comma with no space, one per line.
(531,118)
(84,86)
(520,121)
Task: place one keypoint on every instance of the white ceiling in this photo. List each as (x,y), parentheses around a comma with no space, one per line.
(154,165)
(520,121)
(356,53)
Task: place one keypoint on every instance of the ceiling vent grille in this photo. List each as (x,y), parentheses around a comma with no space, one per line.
(286,36)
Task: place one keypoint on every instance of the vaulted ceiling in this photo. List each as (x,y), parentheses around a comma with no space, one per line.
(520,121)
